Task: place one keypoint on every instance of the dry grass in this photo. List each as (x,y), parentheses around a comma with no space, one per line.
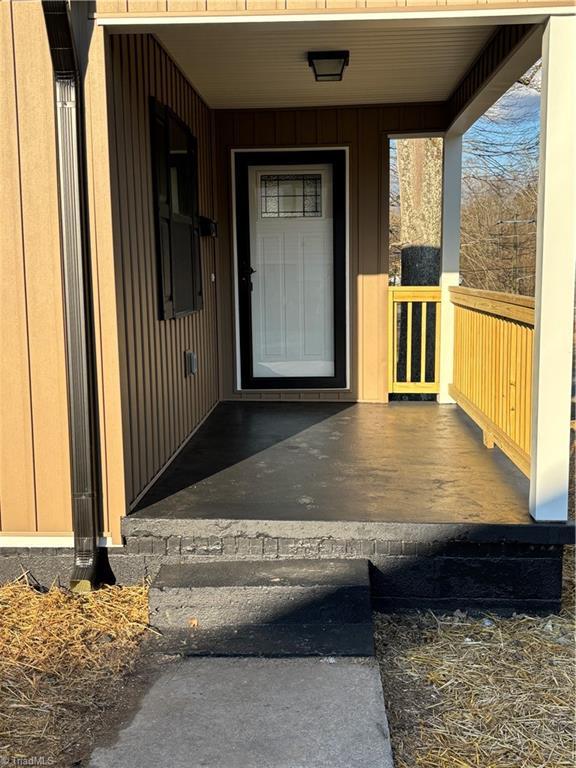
(461,692)
(493,692)
(62,659)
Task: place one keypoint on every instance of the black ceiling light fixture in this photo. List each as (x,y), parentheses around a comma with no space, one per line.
(328,66)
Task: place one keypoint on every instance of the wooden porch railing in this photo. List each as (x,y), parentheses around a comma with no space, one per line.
(414,344)
(492,381)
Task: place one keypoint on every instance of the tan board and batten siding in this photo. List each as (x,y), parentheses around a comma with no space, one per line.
(147,407)
(34,450)
(362,130)
(241,7)
(161,406)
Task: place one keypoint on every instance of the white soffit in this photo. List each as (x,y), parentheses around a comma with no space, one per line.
(264,65)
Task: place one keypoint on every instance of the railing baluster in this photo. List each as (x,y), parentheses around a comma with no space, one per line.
(409,344)
(423,341)
(437,346)
(395,312)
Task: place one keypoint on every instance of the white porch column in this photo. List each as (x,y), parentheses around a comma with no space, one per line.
(450,265)
(555,273)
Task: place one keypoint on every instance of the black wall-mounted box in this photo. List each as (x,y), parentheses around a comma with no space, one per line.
(208,227)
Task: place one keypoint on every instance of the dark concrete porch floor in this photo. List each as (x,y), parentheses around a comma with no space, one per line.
(402,462)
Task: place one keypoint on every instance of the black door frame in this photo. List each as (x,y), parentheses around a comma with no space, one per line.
(243,161)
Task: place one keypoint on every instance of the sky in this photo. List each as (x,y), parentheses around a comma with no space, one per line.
(513,107)
(511,124)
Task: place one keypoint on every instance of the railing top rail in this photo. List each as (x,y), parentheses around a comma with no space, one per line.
(415,288)
(507,298)
(402,293)
(507,305)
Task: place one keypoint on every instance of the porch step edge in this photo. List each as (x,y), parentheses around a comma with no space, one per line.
(263,573)
(211,607)
(222,530)
(271,640)
(229,595)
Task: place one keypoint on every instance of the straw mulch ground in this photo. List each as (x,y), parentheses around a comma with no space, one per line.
(461,692)
(63,662)
(486,692)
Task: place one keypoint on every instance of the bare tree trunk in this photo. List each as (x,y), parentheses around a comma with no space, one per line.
(420,185)
(419,163)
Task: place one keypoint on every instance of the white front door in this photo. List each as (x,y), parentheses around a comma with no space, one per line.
(292,255)
(291,238)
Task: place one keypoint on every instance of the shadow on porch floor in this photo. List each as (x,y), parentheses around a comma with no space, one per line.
(402,462)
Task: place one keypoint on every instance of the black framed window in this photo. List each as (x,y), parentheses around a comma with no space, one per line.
(175,175)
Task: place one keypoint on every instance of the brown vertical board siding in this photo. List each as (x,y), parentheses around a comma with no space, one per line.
(362,130)
(163,406)
(140,263)
(224,136)
(328,127)
(105,234)
(36,495)
(307,127)
(144,184)
(130,258)
(122,253)
(265,129)
(285,128)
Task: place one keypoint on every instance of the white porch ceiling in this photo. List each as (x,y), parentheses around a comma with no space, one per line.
(264,65)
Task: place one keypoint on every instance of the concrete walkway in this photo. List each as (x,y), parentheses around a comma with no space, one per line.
(257,713)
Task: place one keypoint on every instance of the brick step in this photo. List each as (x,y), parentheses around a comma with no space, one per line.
(503,568)
(302,607)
